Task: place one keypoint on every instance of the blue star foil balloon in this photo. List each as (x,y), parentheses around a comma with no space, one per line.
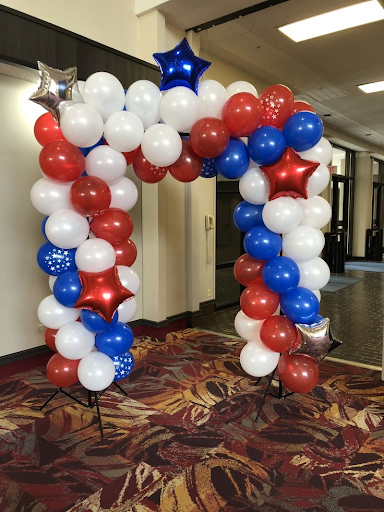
(180,66)
(55,261)
(123,365)
(209,168)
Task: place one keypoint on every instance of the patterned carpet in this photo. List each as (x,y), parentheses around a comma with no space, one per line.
(185,439)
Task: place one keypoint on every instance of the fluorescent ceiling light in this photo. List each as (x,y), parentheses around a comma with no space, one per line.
(372,87)
(334,21)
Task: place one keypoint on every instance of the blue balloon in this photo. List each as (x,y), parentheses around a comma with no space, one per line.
(262,244)
(116,341)
(303,130)
(281,275)
(318,319)
(43,226)
(180,66)
(95,323)
(67,289)
(123,365)
(266,145)
(209,168)
(246,216)
(301,306)
(84,151)
(55,261)
(234,160)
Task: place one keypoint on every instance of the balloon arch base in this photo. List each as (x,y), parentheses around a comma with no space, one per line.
(93,398)
(278,392)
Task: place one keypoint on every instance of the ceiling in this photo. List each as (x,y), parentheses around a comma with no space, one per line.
(324,71)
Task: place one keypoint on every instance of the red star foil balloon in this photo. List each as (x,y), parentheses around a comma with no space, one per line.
(102,292)
(289,175)
(315,340)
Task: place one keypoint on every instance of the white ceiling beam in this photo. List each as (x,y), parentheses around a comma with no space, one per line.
(146,6)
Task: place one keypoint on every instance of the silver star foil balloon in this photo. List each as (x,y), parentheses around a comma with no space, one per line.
(55,87)
(315,340)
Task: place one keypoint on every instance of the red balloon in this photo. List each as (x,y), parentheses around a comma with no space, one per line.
(50,337)
(102,292)
(209,137)
(277,102)
(126,253)
(242,114)
(146,171)
(62,372)
(115,226)
(300,374)
(47,130)
(259,302)
(61,161)
(189,166)
(300,106)
(289,175)
(248,271)
(278,333)
(90,196)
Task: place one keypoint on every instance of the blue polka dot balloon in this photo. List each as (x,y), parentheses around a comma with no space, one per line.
(55,261)
(123,365)
(209,168)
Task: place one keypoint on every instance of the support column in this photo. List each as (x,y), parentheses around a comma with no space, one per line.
(362,213)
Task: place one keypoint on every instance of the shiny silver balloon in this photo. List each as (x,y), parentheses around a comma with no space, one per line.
(315,340)
(55,87)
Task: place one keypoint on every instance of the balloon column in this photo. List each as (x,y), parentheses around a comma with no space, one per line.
(88,253)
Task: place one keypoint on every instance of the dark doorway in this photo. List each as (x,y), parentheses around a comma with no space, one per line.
(228,243)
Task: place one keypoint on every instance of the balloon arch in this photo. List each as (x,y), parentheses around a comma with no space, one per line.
(94,129)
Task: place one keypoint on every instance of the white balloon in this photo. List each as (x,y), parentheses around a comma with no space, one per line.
(314,274)
(82,125)
(96,371)
(95,255)
(127,310)
(129,279)
(315,212)
(143,99)
(106,163)
(74,341)
(253,186)
(178,108)
(161,145)
(77,92)
(318,294)
(318,181)
(66,229)
(123,131)
(54,315)
(240,86)
(124,194)
(247,327)
(258,360)
(321,152)
(303,243)
(212,97)
(281,215)
(105,93)
(51,282)
(48,196)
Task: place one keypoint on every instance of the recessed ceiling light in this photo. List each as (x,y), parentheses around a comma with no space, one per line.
(334,21)
(372,87)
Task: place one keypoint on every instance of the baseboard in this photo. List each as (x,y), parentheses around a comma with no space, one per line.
(208,307)
(38,356)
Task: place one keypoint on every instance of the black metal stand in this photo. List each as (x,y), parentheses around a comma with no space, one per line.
(93,401)
(278,393)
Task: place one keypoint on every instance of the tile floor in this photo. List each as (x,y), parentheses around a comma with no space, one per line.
(356,314)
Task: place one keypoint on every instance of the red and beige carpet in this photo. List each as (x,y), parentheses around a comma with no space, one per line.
(185,439)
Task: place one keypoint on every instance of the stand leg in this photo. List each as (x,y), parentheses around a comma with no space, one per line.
(120,388)
(90,399)
(99,416)
(49,399)
(264,397)
(323,397)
